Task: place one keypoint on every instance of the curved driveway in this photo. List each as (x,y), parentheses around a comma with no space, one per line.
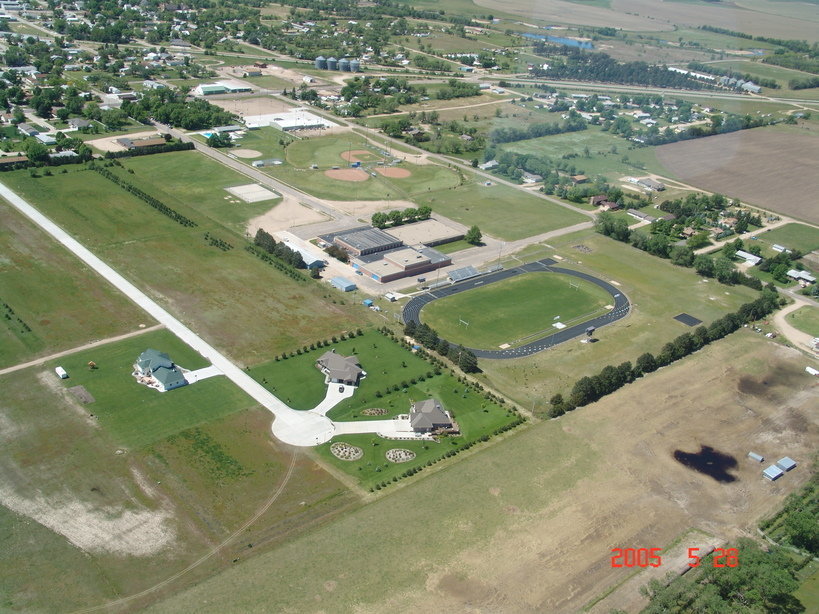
(412,310)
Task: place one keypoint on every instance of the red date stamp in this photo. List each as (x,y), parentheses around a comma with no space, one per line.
(650,557)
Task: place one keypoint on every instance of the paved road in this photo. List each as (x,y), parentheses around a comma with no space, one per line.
(291,426)
(412,310)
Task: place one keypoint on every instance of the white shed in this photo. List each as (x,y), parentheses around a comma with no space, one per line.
(61,373)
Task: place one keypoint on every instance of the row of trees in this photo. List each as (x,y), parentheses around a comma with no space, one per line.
(589,389)
(170,107)
(266,242)
(400,216)
(144,197)
(533,131)
(428,337)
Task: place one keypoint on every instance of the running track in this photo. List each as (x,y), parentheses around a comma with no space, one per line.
(412,310)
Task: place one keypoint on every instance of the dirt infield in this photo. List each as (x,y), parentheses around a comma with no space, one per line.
(253,106)
(287,214)
(246,153)
(771,169)
(357,155)
(347,174)
(368,207)
(393,172)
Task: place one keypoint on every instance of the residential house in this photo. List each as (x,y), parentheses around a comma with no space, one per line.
(428,416)
(157,370)
(340,369)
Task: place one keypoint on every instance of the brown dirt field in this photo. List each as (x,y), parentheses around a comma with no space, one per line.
(395,173)
(352,156)
(744,393)
(246,153)
(253,106)
(285,214)
(775,170)
(366,208)
(347,174)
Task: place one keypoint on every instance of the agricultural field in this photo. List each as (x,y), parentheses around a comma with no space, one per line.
(514,311)
(36,276)
(499,210)
(658,291)
(769,167)
(243,306)
(518,499)
(805,319)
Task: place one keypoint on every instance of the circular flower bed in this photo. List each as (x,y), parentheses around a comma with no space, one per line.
(344,451)
(374,411)
(400,455)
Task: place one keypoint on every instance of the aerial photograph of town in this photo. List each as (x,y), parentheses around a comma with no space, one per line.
(409,306)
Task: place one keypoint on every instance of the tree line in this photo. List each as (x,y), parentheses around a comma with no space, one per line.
(147,151)
(428,337)
(533,131)
(400,216)
(146,198)
(280,250)
(589,389)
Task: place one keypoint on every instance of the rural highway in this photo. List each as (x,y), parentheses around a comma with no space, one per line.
(298,428)
(412,310)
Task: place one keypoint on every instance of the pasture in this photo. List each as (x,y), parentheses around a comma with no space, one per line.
(36,277)
(793,236)
(515,310)
(499,210)
(769,167)
(223,295)
(658,291)
(519,500)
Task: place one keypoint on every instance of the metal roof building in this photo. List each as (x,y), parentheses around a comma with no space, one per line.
(773,472)
(786,463)
(345,285)
(367,241)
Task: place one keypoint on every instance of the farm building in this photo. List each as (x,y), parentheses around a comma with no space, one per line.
(779,248)
(340,369)
(345,285)
(429,415)
(772,473)
(487,166)
(156,370)
(640,215)
(749,258)
(786,463)
(651,184)
(7,160)
(399,263)
(426,232)
(803,277)
(757,457)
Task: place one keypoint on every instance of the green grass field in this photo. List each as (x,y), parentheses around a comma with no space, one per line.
(657,290)
(499,210)
(453,246)
(514,311)
(297,381)
(808,591)
(805,319)
(136,415)
(196,181)
(324,151)
(269,141)
(37,277)
(793,236)
(240,304)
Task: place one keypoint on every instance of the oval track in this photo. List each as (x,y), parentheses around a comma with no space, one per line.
(412,310)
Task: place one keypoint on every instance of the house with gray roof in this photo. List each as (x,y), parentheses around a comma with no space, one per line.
(340,369)
(429,415)
(156,369)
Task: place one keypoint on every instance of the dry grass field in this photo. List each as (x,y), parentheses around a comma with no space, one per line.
(767,167)
(528,524)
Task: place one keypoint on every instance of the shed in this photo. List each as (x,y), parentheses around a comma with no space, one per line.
(811,370)
(786,463)
(345,285)
(773,472)
(367,302)
(757,457)
(61,373)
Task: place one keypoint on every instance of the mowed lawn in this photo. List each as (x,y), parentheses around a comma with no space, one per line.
(475,416)
(325,151)
(300,384)
(194,180)
(658,291)
(793,236)
(513,310)
(805,319)
(245,307)
(501,211)
(49,300)
(136,415)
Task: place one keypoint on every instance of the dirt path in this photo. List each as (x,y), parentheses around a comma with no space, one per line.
(87,346)
(801,340)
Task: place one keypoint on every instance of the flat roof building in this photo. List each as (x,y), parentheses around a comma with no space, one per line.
(429,232)
(401,262)
(287,121)
(786,463)
(772,473)
(345,285)
(366,241)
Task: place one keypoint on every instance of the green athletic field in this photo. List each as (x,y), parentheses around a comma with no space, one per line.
(515,310)
(793,236)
